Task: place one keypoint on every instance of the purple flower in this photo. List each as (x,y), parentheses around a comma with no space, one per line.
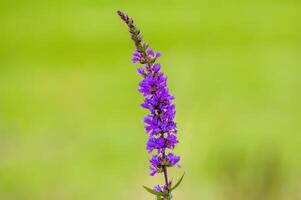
(136,56)
(159,124)
(150,52)
(141,71)
(158,188)
(156,165)
(161,160)
(172,159)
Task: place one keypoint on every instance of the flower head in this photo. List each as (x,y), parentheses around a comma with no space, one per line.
(159,122)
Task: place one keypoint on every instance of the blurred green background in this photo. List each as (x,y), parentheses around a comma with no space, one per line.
(70,122)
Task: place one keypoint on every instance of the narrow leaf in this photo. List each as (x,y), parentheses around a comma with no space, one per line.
(178,183)
(155,192)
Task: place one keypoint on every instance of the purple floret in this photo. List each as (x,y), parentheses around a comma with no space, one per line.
(172,159)
(158,188)
(136,56)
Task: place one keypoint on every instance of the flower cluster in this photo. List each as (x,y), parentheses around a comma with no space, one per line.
(159,123)
(158,162)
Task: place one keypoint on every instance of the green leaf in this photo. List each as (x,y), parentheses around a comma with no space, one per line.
(178,183)
(164,194)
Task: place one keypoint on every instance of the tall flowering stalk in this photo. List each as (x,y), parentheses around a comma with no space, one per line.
(159,123)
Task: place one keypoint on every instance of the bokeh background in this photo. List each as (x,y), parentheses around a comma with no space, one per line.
(71,126)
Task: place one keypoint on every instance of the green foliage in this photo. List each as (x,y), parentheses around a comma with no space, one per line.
(154,192)
(178,183)
(165,193)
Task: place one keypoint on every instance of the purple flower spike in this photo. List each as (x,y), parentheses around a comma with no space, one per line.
(159,123)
